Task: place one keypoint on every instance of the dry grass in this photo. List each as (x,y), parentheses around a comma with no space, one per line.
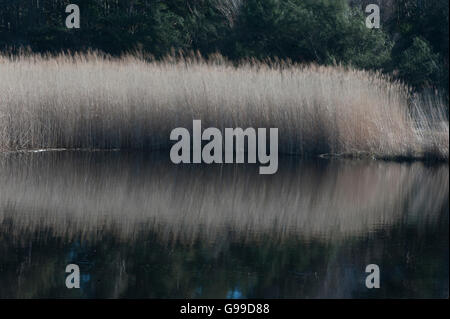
(92,101)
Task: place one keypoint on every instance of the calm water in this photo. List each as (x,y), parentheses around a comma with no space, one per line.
(139,226)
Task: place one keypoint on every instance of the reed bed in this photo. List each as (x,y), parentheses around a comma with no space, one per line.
(92,101)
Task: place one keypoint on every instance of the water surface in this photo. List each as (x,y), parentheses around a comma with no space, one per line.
(141,227)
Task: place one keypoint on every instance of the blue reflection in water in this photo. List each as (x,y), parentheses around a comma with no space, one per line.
(234,294)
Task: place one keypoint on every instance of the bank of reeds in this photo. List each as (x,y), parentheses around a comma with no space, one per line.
(91,101)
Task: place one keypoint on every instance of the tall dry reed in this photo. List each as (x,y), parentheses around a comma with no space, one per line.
(93,101)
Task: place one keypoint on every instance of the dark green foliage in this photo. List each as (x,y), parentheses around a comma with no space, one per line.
(418,64)
(412,41)
(421,51)
(319,31)
(110,25)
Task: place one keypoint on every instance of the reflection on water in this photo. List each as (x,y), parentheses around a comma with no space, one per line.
(140,226)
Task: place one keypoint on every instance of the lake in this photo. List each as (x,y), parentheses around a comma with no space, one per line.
(139,226)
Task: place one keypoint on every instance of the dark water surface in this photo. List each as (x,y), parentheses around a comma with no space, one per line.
(139,226)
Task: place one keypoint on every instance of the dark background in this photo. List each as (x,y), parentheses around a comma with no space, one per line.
(412,43)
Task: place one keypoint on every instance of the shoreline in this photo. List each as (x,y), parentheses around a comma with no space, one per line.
(324,156)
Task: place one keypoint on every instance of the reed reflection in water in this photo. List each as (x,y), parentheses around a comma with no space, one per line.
(140,226)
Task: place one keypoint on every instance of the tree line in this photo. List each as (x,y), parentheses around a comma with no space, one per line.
(412,43)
